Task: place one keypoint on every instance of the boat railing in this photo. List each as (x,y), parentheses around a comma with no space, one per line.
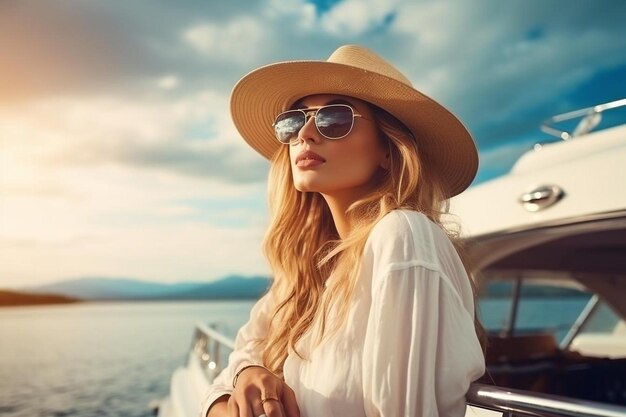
(210,348)
(591,117)
(512,402)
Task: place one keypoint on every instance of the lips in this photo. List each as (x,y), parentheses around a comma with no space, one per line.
(309,156)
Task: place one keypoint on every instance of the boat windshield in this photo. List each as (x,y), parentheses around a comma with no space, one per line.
(515,306)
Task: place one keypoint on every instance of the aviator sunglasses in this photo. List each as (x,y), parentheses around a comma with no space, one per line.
(334,121)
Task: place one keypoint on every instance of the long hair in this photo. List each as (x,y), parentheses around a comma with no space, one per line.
(303,247)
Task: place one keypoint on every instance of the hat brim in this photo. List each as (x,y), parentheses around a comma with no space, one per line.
(262,94)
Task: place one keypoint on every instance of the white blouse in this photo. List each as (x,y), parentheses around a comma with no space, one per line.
(408,348)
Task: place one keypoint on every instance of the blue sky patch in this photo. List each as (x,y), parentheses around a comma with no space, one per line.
(535,33)
(323,6)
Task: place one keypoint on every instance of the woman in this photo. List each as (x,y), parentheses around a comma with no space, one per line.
(371,311)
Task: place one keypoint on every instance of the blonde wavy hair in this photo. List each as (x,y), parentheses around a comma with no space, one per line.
(303,247)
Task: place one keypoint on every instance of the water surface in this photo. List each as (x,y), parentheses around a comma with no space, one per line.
(98,359)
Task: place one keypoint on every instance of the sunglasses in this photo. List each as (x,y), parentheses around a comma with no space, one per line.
(334,121)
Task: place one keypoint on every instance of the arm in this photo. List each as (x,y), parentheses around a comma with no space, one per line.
(421,352)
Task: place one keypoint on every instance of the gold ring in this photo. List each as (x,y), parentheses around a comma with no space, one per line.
(263,400)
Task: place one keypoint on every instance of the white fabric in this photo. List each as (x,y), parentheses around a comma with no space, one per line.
(409,347)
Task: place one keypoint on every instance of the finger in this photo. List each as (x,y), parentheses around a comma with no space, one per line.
(270,401)
(233,409)
(257,408)
(250,397)
(288,400)
(245,410)
(273,409)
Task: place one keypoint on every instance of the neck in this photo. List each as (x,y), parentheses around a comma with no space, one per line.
(338,204)
(338,208)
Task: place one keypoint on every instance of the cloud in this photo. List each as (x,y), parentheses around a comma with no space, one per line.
(117,185)
(337,19)
(298,14)
(239,40)
(113,220)
(491,65)
(168,82)
(356,17)
(216,161)
(51,48)
(48,48)
(190,136)
(173,252)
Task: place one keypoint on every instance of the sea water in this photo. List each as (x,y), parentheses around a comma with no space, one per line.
(99,359)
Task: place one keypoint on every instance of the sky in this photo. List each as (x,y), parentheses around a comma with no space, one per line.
(118,157)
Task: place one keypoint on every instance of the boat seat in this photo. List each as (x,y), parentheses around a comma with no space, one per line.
(521,361)
(521,348)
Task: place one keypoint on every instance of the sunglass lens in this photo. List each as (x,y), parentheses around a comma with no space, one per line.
(334,121)
(288,124)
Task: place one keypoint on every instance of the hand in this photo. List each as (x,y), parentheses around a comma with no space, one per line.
(255,384)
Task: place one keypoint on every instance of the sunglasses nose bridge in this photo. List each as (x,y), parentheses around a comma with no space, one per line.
(309,114)
(310,122)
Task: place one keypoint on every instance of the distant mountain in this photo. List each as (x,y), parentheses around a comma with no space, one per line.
(98,288)
(14,298)
(232,287)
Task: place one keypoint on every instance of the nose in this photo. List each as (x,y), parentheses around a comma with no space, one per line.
(309,130)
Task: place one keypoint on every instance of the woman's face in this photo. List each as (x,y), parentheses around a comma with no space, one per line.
(346,166)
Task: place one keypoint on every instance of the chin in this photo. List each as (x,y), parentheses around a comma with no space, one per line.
(309,184)
(304,187)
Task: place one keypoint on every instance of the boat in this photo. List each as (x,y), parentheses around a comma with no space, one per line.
(556,220)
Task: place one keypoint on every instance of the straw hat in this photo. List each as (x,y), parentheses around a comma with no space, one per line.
(356,72)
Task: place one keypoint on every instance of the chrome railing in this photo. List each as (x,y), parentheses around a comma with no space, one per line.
(591,117)
(211,347)
(513,402)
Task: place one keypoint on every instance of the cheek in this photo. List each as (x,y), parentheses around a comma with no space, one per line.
(358,164)
(365,155)
(300,180)
(292,158)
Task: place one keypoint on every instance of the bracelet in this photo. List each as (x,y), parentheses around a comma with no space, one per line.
(246,367)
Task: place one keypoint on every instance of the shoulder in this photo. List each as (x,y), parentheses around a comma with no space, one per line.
(401,221)
(404,236)
(408,235)
(408,238)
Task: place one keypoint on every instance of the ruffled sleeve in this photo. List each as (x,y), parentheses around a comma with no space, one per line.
(421,351)
(246,352)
